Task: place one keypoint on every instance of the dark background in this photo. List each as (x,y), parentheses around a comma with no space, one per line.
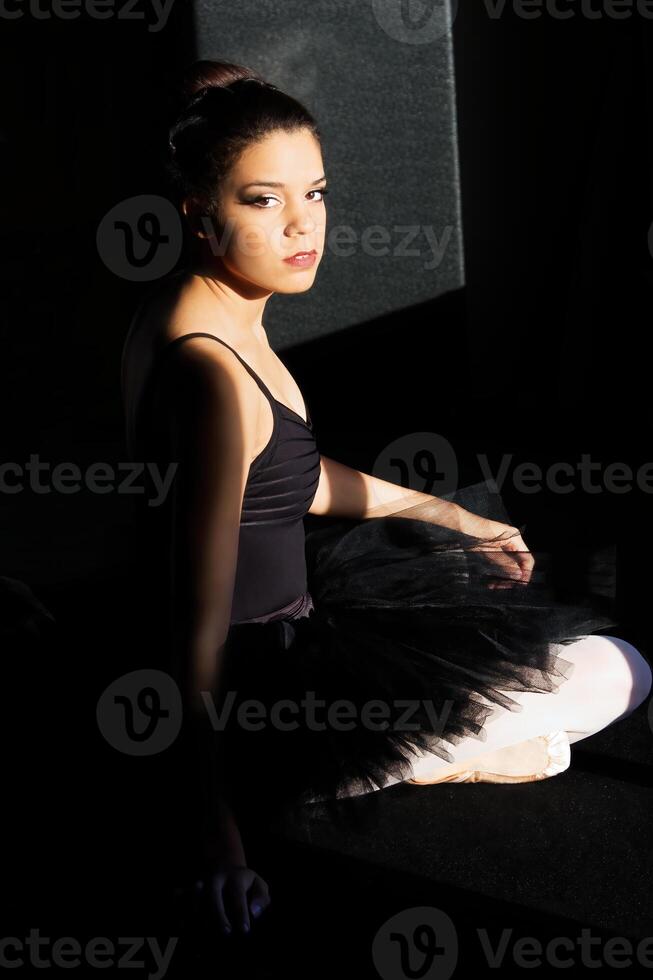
(540,349)
(542,352)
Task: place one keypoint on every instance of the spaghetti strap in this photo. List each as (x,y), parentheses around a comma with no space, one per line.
(198,333)
(264,388)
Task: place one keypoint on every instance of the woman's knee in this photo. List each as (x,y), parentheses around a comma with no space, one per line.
(623,673)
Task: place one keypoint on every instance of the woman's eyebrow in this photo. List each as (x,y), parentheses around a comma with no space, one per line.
(272,183)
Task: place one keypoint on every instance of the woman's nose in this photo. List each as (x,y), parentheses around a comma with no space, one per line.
(301,221)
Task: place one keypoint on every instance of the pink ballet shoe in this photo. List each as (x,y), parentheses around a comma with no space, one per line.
(525,762)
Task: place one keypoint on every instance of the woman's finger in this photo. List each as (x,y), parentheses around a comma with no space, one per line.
(259,897)
(241,908)
(215,891)
(526,560)
(526,568)
(506,561)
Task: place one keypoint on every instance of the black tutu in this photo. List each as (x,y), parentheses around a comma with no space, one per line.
(406,632)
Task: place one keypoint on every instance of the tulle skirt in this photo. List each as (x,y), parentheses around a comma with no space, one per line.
(400,646)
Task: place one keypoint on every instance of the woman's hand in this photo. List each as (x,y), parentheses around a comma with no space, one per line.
(237,895)
(227,888)
(507,550)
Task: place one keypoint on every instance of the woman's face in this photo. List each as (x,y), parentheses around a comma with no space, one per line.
(271,207)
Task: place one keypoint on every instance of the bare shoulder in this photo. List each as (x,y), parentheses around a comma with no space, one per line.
(202,378)
(202,365)
(175,309)
(204,362)
(211,392)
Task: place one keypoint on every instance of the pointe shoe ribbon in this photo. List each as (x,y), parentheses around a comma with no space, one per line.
(536,758)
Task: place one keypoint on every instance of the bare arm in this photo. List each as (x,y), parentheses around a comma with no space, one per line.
(212,402)
(215,446)
(346,492)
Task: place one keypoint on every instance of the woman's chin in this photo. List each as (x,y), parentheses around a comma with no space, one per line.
(298,285)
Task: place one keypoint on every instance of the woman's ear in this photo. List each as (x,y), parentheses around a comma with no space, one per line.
(194,214)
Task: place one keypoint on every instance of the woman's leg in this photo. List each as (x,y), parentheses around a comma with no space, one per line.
(609,680)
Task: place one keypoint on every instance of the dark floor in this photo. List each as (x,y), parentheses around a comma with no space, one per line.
(456,871)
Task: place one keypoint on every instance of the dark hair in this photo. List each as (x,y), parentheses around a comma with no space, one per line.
(221,109)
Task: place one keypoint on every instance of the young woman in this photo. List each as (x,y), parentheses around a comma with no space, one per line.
(396,604)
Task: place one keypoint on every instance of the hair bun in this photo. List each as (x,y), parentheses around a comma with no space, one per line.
(197,81)
(202,76)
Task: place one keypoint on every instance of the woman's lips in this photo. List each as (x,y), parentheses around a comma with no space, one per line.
(302,260)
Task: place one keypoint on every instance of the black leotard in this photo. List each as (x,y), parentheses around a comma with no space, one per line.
(281,485)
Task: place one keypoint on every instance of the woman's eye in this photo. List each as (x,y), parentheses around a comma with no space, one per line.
(264,197)
(268,197)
